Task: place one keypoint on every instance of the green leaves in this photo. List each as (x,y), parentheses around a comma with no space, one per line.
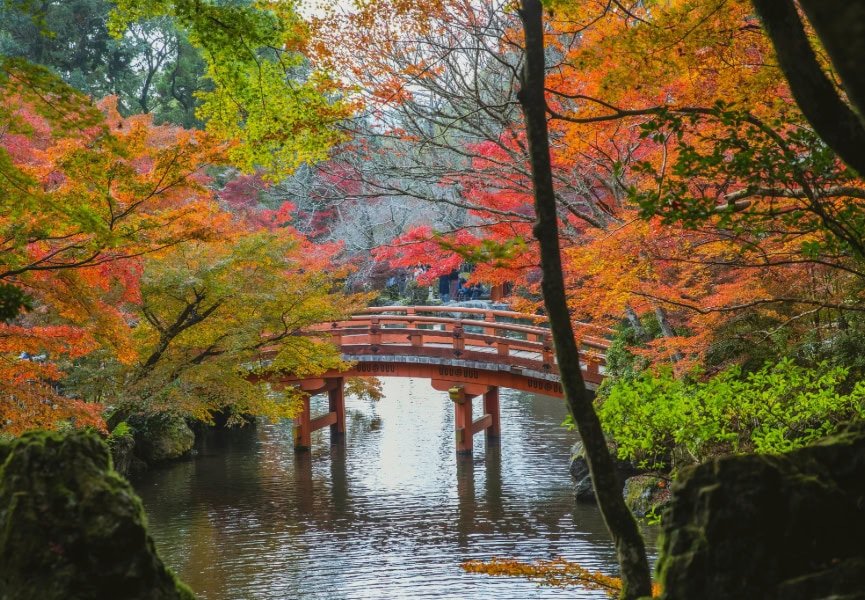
(13,301)
(277,111)
(737,172)
(778,408)
(211,310)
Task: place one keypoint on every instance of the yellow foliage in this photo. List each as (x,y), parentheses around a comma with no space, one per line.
(556,572)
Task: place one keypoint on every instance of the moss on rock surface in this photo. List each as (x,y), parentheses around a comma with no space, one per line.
(162,438)
(646,495)
(71,528)
(770,527)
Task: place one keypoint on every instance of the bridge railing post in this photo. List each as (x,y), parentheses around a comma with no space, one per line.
(374,331)
(547,351)
(489,317)
(416,338)
(458,341)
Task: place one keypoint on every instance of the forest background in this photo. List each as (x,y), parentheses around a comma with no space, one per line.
(171,189)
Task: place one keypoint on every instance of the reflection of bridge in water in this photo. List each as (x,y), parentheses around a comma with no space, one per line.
(467,352)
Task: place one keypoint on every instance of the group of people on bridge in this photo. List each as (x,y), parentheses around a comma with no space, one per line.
(455,287)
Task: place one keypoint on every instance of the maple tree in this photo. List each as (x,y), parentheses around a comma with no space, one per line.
(84,196)
(98,208)
(211,310)
(104,220)
(632,136)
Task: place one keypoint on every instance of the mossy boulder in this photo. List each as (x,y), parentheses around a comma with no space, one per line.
(579,470)
(163,438)
(121,444)
(771,527)
(71,528)
(646,495)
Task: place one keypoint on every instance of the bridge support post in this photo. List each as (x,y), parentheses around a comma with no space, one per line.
(302,428)
(304,424)
(336,404)
(491,408)
(462,419)
(465,428)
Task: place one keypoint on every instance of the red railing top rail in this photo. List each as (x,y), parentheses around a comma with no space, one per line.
(601,332)
(362,323)
(508,314)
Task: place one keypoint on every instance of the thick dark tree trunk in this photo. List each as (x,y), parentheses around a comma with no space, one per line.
(832,118)
(841,27)
(620,522)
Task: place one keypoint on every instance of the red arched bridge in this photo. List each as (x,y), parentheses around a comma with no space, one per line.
(467,352)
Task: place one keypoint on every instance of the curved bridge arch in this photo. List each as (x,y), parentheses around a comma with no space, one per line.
(468,352)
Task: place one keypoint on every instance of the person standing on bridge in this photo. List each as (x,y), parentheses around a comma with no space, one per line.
(445,288)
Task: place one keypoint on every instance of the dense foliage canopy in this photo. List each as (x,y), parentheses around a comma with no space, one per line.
(130,285)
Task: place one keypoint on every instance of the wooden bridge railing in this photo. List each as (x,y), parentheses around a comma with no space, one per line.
(477,333)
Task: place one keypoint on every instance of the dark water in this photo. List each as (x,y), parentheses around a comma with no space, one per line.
(390,514)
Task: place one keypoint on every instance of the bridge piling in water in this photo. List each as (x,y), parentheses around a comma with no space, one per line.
(491,407)
(336,405)
(464,427)
(304,424)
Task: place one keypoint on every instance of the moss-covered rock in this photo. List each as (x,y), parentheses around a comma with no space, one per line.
(646,495)
(71,528)
(163,438)
(771,527)
(579,470)
(121,444)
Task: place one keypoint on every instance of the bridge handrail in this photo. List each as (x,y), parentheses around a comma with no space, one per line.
(508,314)
(453,309)
(515,327)
(361,325)
(362,320)
(591,352)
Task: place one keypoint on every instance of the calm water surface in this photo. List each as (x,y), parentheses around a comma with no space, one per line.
(391,513)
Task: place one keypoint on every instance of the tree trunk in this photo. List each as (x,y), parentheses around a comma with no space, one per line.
(634,321)
(666,329)
(832,118)
(620,522)
(841,27)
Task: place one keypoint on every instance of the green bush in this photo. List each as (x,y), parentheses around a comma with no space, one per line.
(776,409)
(122,431)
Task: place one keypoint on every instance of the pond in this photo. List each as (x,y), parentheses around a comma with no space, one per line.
(389,513)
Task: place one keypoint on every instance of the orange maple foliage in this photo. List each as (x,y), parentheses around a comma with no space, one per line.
(639,100)
(82,208)
(556,572)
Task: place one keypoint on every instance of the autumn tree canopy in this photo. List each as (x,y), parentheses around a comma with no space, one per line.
(691,189)
(129,283)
